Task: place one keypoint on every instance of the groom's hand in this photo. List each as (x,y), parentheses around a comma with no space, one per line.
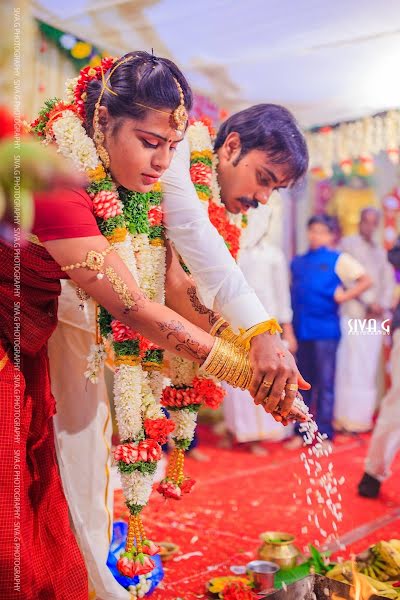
(274,368)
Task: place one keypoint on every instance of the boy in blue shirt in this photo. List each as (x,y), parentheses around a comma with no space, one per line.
(318,281)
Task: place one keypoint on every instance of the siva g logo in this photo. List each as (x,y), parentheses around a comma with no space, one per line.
(368,327)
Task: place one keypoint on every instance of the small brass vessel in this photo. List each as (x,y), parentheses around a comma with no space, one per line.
(278,547)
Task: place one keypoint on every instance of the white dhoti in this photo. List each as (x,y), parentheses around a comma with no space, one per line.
(248,422)
(356,379)
(385,441)
(83,432)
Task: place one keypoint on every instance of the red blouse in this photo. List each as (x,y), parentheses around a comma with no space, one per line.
(64,213)
(59,214)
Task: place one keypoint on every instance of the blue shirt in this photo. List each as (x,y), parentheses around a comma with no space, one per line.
(314,281)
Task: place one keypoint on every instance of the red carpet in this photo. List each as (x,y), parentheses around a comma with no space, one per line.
(239,495)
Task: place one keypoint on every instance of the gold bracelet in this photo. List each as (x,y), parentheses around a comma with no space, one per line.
(271,326)
(216,326)
(229,335)
(94,261)
(229,363)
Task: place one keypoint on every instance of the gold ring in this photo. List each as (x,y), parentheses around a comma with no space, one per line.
(267,384)
(292,387)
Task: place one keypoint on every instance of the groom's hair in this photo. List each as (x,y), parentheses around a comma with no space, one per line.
(272,129)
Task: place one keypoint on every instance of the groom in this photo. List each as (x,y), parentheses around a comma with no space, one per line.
(258,150)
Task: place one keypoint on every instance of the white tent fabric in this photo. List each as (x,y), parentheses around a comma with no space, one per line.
(327,61)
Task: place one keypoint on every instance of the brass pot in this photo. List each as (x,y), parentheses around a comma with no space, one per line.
(278,547)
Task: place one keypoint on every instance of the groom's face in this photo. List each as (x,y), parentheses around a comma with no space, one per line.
(248,181)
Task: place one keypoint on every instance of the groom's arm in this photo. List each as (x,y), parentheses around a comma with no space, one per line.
(181,294)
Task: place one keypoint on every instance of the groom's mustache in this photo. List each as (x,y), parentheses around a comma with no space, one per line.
(248,202)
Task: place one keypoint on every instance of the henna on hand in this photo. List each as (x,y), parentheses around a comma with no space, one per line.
(185,341)
(199,307)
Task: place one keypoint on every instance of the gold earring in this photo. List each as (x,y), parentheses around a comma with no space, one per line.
(98,138)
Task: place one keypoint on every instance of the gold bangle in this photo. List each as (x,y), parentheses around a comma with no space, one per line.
(228,363)
(271,326)
(229,335)
(216,326)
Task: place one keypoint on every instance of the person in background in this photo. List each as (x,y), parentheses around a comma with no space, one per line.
(265,267)
(385,441)
(356,386)
(317,291)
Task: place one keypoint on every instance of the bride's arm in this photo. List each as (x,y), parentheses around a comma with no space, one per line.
(120,294)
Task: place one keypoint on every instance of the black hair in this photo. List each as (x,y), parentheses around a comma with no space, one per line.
(273,129)
(329,222)
(394,255)
(146,79)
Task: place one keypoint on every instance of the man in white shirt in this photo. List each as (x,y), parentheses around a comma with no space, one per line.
(356,386)
(259,150)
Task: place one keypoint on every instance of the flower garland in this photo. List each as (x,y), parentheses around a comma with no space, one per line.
(203,171)
(188,392)
(183,400)
(132,222)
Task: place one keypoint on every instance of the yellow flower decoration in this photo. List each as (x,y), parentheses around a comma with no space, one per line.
(203,196)
(81,50)
(157,187)
(118,235)
(96,174)
(95,61)
(201,154)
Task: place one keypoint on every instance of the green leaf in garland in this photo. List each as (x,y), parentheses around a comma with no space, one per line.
(194,408)
(145,468)
(182,444)
(136,208)
(203,159)
(134,509)
(157,231)
(104,320)
(203,188)
(108,226)
(154,356)
(97,186)
(155,198)
(127,348)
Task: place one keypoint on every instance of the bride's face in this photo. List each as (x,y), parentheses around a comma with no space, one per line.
(140,151)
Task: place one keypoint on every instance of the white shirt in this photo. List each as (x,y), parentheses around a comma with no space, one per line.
(221,284)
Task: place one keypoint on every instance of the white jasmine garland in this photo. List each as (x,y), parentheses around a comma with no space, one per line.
(137,487)
(95,362)
(140,589)
(127,400)
(69,89)
(150,409)
(199,137)
(182,371)
(73,141)
(124,249)
(185,423)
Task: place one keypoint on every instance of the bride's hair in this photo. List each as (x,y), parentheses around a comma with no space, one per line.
(145,79)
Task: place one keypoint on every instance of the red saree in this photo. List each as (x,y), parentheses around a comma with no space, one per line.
(39,557)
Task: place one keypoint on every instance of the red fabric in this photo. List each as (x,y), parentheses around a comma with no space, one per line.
(64,213)
(44,551)
(48,559)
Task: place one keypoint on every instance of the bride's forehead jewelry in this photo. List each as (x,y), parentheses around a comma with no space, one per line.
(178,117)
